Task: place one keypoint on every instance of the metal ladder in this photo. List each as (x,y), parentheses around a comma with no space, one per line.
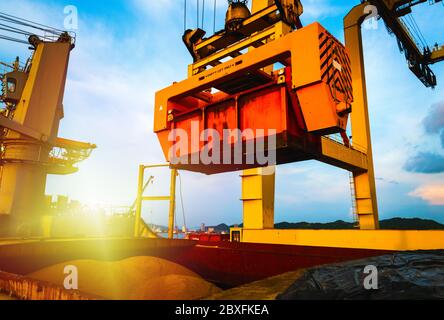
(353,200)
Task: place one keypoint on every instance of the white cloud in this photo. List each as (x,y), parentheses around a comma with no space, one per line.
(433,194)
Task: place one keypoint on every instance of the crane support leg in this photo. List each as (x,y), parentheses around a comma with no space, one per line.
(366,201)
(258,185)
(258,191)
(172,210)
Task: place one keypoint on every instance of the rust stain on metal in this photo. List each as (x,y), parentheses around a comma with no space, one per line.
(24,288)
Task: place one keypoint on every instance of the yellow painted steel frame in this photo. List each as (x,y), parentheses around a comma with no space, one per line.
(437,54)
(396,240)
(263,25)
(258,189)
(368,237)
(258,39)
(258,197)
(258,209)
(365,186)
(255,230)
(138,225)
(305,68)
(31,134)
(22,189)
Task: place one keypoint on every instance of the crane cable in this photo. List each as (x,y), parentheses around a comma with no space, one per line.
(25,24)
(214,17)
(13,29)
(203,13)
(181,201)
(185,16)
(424,40)
(411,25)
(7,22)
(197,15)
(417,30)
(28,23)
(3,37)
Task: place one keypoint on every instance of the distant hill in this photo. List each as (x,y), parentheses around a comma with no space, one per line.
(316,226)
(411,224)
(390,224)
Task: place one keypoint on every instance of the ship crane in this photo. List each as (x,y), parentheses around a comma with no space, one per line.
(265,70)
(32,95)
(397,16)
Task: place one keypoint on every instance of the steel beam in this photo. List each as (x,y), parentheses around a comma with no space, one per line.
(338,155)
(258,196)
(138,224)
(365,185)
(21,129)
(396,240)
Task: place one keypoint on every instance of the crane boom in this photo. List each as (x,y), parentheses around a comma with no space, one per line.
(419,60)
(29,125)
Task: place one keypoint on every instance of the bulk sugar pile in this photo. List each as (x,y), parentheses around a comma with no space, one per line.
(137,278)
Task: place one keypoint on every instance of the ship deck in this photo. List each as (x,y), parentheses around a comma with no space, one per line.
(226,264)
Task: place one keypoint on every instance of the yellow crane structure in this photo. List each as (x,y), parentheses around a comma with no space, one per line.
(29,126)
(232,84)
(265,74)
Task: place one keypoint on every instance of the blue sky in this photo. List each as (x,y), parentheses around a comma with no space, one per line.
(126,50)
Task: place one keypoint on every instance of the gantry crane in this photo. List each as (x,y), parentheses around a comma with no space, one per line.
(419,59)
(29,123)
(264,70)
